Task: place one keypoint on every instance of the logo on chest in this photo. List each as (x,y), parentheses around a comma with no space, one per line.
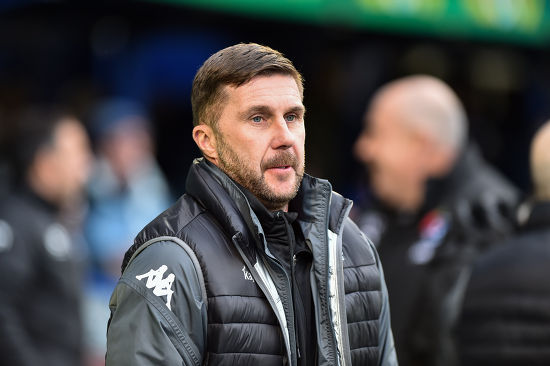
(433,228)
(247,275)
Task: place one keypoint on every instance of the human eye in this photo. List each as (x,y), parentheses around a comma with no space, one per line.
(294,115)
(257,119)
(291,117)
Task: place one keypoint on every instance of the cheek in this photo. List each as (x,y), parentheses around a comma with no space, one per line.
(246,153)
(71,170)
(301,145)
(390,165)
(397,153)
(300,138)
(76,166)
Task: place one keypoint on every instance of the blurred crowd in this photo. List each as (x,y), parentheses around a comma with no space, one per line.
(463,250)
(80,192)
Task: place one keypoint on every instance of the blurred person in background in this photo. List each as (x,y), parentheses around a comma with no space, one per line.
(437,203)
(40,263)
(127,189)
(506,314)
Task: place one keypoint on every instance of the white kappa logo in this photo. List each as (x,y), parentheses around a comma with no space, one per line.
(247,275)
(162,286)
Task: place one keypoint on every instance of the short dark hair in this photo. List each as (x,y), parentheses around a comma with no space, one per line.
(35,129)
(234,65)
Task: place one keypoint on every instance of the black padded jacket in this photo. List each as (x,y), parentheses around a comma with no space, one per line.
(40,282)
(506,315)
(199,285)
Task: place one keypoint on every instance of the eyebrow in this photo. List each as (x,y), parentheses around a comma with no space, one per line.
(256,109)
(298,110)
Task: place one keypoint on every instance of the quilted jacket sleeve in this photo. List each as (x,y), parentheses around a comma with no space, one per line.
(158,310)
(388,356)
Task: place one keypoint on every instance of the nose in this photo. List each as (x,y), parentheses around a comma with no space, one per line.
(362,148)
(283,136)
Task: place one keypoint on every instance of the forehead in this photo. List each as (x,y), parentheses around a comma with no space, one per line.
(69,132)
(266,88)
(378,117)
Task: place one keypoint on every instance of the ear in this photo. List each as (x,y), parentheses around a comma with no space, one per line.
(444,161)
(439,159)
(206,141)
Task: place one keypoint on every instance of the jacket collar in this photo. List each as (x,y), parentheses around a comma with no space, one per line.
(226,201)
(220,195)
(315,200)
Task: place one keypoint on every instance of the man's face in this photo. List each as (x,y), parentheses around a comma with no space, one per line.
(70,159)
(128,147)
(260,138)
(393,158)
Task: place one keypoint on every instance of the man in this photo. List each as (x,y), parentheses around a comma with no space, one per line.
(39,263)
(437,204)
(127,188)
(506,316)
(258,263)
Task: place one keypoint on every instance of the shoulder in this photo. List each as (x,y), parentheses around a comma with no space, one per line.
(165,273)
(167,226)
(482,198)
(357,247)
(23,223)
(166,257)
(161,287)
(526,253)
(172,220)
(21,212)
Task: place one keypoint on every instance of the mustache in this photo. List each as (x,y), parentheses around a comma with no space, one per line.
(285,158)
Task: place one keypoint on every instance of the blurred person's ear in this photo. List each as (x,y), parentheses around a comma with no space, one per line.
(438,159)
(206,141)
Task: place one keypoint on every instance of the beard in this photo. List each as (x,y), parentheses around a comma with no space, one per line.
(237,169)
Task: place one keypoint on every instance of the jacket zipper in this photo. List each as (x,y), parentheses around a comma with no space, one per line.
(292,281)
(289,306)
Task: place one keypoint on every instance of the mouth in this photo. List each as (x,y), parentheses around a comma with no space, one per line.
(282,163)
(280,170)
(281,167)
